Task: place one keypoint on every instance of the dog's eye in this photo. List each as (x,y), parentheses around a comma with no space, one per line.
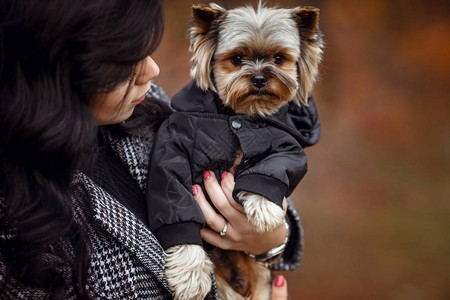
(278,59)
(236,60)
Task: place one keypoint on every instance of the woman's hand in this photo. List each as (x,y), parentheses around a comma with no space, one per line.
(240,234)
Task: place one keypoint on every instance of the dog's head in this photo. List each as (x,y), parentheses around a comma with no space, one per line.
(255,59)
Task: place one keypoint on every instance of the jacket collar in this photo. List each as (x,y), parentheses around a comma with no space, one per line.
(192,99)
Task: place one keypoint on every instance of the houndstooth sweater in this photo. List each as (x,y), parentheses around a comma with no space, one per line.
(127,262)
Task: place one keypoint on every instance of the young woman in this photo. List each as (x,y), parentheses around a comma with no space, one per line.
(78,111)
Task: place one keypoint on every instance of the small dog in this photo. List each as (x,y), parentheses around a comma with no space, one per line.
(256,61)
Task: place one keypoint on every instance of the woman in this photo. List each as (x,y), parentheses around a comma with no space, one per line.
(77,115)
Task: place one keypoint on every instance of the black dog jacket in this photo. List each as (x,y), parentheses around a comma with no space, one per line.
(203,135)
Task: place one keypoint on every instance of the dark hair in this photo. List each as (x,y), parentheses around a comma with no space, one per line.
(55,55)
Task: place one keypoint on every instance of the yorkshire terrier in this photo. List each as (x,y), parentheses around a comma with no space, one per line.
(256,61)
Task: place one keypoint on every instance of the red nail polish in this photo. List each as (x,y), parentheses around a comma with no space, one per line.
(194,190)
(279,281)
(206,175)
(224,174)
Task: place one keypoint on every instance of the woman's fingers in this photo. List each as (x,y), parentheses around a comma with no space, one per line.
(219,197)
(213,238)
(284,205)
(227,185)
(279,288)
(213,219)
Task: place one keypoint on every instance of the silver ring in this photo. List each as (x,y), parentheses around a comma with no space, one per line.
(224,230)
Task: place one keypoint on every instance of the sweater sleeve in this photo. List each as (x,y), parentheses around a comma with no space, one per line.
(174,216)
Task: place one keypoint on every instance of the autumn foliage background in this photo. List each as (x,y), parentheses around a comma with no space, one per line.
(375,202)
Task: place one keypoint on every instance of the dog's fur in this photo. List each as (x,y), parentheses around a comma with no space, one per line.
(256,60)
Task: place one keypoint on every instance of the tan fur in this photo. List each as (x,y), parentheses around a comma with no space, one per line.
(237,160)
(203,42)
(214,39)
(239,277)
(310,50)
(241,97)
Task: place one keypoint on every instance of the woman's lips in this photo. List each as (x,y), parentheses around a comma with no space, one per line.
(139,100)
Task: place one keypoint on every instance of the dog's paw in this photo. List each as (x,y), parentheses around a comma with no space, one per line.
(188,271)
(263,214)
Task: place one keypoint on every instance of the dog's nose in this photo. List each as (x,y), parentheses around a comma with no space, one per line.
(259,81)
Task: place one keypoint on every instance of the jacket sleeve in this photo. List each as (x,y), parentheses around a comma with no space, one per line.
(174,216)
(276,172)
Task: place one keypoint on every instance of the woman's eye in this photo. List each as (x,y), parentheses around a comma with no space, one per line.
(279,59)
(236,60)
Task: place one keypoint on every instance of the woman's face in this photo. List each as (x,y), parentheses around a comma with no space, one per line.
(118,105)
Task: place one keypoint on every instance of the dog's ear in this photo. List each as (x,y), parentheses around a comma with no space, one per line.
(203,37)
(311,44)
(308,21)
(204,15)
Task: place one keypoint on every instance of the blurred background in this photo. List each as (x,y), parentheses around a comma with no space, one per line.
(375,201)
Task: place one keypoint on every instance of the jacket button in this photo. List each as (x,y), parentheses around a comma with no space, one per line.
(236,124)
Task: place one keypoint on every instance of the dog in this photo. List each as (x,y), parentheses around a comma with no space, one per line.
(255,61)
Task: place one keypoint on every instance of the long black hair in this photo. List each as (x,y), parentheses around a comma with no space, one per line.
(55,55)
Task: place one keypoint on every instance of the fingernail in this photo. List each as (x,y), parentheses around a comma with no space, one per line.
(194,190)
(206,175)
(279,281)
(224,174)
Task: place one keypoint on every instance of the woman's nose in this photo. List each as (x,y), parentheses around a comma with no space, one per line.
(146,71)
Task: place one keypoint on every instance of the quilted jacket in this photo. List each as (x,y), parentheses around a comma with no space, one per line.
(202,134)
(127,261)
